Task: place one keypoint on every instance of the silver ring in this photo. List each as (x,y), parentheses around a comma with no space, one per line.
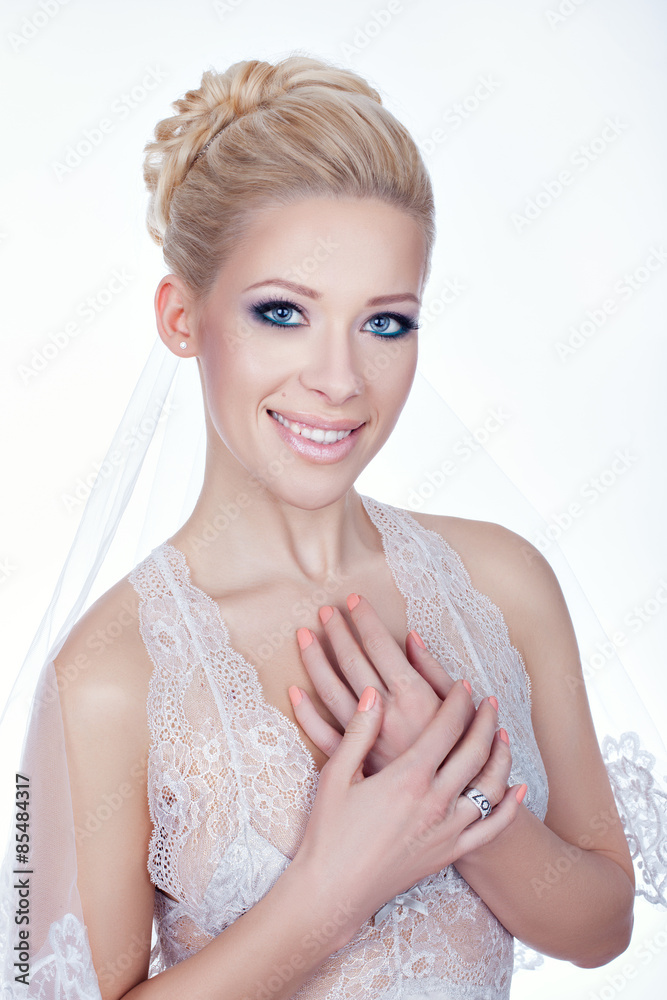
(480,800)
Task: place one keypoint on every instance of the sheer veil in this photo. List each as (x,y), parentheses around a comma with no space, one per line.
(147,486)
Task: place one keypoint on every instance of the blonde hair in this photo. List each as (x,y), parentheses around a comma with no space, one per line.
(261,133)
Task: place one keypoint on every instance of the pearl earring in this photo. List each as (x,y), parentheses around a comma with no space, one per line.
(183,344)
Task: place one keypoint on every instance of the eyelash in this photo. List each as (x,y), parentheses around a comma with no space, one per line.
(260,308)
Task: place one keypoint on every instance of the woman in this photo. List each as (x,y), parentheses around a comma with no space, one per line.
(296,219)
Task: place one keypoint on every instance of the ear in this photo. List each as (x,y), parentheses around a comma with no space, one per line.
(175,314)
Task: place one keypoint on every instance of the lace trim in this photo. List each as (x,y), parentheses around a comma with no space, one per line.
(230,778)
(67,973)
(642,806)
(493,610)
(526,958)
(478,622)
(185,578)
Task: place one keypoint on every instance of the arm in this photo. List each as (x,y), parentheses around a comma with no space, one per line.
(565,886)
(102,689)
(103,699)
(358,849)
(271,949)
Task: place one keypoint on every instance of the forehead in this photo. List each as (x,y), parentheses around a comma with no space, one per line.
(327,242)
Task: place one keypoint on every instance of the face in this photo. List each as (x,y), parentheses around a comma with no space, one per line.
(307,344)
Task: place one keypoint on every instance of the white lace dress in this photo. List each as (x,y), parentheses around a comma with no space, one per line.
(231,783)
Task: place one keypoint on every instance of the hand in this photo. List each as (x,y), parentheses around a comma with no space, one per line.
(369,838)
(413,684)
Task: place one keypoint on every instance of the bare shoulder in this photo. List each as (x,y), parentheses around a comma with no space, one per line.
(515,575)
(103,668)
(103,672)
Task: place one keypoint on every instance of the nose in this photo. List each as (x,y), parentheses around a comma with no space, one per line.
(333,367)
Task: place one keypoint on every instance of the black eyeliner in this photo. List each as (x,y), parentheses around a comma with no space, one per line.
(260,308)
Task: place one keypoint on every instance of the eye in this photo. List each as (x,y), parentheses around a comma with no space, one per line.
(391,325)
(282,310)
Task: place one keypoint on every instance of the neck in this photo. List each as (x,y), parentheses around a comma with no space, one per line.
(241,532)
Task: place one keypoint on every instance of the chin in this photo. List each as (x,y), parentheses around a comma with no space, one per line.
(315,497)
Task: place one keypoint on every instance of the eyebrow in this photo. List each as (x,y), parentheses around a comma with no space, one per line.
(312,294)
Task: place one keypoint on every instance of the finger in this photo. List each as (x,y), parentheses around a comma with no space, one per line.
(483,831)
(442,733)
(353,665)
(380,647)
(470,707)
(491,782)
(324,736)
(333,692)
(347,762)
(471,753)
(493,777)
(426,665)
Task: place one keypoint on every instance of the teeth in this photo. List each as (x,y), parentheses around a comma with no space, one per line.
(317,434)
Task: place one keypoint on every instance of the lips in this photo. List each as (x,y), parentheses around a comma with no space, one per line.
(314,422)
(316,439)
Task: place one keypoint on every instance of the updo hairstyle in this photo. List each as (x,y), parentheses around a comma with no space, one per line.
(260,134)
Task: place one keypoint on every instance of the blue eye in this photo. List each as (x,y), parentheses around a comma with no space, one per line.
(282,310)
(382,325)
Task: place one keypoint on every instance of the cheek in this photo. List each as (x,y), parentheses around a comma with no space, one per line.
(238,376)
(228,364)
(224,385)
(390,371)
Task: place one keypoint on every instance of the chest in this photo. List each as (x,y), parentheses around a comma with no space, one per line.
(226,760)
(262,628)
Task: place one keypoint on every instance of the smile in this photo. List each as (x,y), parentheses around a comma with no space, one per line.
(317,439)
(319,434)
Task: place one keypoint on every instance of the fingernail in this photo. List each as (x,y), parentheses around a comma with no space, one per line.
(325,614)
(466,685)
(494,701)
(504,737)
(521,791)
(418,639)
(295,695)
(304,638)
(352,601)
(367,699)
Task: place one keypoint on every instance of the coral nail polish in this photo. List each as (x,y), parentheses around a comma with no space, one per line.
(352,601)
(504,737)
(325,614)
(494,702)
(367,699)
(521,793)
(295,695)
(467,686)
(418,639)
(303,637)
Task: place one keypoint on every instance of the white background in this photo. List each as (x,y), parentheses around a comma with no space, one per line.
(501,97)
